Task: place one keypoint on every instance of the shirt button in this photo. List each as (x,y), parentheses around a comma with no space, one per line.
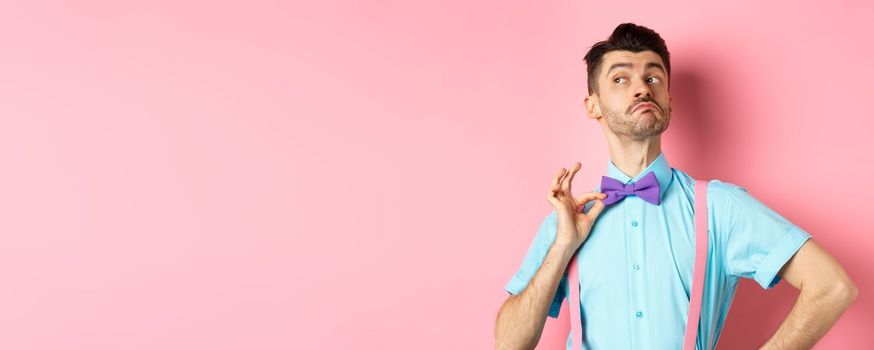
(634,223)
(636,267)
(639,314)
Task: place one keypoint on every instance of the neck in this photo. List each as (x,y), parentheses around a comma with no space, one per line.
(632,156)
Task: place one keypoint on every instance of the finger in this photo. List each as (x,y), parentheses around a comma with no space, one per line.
(555,182)
(586,197)
(595,210)
(566,182)
(577,167)
(557,178)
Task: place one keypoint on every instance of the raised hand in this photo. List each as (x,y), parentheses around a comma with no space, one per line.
(573,224)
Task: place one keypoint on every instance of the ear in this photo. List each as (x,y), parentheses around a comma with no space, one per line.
(593,108)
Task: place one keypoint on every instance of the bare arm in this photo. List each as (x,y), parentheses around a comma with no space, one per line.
(521,318)
(826,291)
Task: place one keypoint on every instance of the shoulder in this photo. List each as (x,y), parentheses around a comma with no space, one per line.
(550,222)
(716,188)
(550,219)
(721,195)
(548,226)
(724,189)
(731,204)
(730,196)
(718,191)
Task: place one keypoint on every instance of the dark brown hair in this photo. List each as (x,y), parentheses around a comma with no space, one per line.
(627,37)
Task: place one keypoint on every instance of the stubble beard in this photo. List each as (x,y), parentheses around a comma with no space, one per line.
(646,124)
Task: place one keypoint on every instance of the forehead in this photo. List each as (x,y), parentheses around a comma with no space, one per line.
(638,60)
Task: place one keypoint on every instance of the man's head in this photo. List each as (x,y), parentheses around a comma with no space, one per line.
(628,78)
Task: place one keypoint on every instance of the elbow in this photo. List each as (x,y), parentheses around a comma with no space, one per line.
(839,292)
(844,292)
(507,334)
(850,291)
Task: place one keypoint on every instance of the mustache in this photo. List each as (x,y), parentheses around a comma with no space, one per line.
(642,100)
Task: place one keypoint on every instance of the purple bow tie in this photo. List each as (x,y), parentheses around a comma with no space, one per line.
(647,188)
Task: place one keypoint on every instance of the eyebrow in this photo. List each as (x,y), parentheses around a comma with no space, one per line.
(628,65)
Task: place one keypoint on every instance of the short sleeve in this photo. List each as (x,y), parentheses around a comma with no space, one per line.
(534,258)
(758,240)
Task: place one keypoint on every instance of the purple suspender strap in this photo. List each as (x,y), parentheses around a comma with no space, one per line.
(698,273)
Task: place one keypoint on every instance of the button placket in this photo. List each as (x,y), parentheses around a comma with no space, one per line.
(636,241)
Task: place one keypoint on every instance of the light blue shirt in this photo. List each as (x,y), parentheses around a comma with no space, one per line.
(636,265)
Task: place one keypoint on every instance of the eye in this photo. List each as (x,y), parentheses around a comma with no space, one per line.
(616,80)
(652,80)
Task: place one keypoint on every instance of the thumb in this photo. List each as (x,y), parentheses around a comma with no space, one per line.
(596,209)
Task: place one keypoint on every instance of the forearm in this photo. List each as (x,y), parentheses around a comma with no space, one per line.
(813,315)
(521,319)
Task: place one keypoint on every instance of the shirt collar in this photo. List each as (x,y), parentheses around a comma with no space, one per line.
(659,166)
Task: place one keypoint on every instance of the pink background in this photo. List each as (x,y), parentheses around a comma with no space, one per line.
(333,175)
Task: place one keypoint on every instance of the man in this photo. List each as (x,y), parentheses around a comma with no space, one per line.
(636,262)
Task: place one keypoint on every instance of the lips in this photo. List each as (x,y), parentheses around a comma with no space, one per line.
(644,105)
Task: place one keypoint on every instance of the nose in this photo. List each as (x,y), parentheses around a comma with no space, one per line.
(642,89)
